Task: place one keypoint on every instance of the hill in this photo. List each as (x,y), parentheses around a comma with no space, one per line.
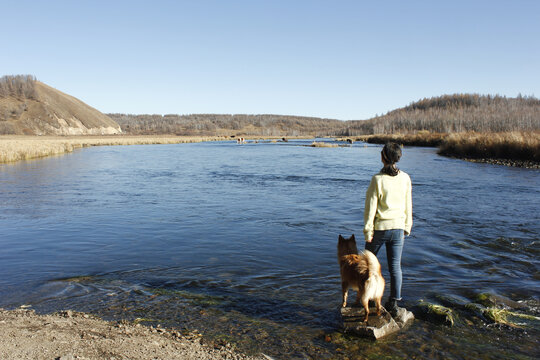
(442,114)
(226,124)
(30,107)
(455,113)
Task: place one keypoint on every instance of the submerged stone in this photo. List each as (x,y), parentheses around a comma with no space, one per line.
(436,313)
(511,318)
(451,301)
(376,326)
(403,317)
(492,300)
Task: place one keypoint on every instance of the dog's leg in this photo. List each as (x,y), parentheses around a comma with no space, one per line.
(358,296)
(345,292)
(365,302)
(378,303)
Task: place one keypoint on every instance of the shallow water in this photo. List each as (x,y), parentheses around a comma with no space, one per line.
(239,242)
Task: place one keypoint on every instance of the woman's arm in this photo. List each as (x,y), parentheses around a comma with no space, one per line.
(408,209)
(370,209)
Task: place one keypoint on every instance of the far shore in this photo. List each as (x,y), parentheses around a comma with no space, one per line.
(519,149)
(15,148)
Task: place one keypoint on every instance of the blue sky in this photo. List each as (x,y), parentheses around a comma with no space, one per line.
(335,59)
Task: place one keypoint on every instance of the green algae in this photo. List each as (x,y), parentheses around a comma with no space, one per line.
(194,298)
(485,299)
(144,320)
(510,318)
(78,279)
(437,313)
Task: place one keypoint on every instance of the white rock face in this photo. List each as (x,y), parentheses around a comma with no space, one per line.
(75,127)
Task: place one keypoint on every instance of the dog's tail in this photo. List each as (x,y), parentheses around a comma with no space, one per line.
(375,283)
(373,263)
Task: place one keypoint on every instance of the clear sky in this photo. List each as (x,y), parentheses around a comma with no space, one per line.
(335,59)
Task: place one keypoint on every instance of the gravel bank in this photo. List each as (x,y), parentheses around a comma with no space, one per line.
(70,335)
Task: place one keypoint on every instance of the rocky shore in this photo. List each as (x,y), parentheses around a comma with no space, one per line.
(506,162)
(70,335)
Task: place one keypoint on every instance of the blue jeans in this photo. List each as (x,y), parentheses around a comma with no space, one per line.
(394,240)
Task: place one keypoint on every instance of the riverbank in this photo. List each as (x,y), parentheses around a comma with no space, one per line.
(15,148)
(71,335)
(520,149)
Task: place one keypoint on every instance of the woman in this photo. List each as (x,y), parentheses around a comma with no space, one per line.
(388,217)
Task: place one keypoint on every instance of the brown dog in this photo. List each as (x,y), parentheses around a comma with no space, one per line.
(362,272)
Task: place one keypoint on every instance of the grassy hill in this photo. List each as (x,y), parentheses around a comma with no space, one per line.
(30,107)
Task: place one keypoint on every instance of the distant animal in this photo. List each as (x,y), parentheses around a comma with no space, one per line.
(361,272)
(284,140)
(350,141)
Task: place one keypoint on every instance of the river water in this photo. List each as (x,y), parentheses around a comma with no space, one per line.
(239,242)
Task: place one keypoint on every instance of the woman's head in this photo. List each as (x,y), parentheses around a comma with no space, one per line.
(390,155)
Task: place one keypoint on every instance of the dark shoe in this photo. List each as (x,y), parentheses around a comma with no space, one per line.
(391,307)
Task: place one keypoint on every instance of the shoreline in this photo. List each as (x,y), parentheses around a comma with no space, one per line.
(508,149)
(69,335)
(14,148)
(515,149)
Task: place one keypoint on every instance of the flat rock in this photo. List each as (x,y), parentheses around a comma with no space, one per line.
(403,317)
(376,326)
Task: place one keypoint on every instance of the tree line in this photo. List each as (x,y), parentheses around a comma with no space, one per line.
(18,86)
(442,114)
(225,124)
(455,113)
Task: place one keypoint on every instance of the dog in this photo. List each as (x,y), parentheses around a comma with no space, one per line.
(361,272)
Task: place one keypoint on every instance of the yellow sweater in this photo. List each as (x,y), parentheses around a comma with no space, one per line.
(388,204)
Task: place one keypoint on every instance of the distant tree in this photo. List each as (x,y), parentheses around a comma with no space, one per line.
(18,86)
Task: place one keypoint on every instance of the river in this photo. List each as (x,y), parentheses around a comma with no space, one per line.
(239,242)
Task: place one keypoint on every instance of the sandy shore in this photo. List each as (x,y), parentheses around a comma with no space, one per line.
(72,335)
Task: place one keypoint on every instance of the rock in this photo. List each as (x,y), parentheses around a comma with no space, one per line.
(492,300)
(376,326)
(451,301)
(66,357)
(403,317)
(435,313)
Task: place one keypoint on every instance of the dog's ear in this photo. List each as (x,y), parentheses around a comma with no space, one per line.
(340,237)
(352,237)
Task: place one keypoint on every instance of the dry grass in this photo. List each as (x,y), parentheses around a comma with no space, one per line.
(421,138)
(508,145)
(16,148)
(515,145)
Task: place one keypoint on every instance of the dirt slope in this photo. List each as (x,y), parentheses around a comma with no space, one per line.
(51,112)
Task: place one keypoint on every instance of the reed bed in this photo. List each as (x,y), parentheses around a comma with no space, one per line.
(523,147)
(508,145)
(422,138)
(17,148)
